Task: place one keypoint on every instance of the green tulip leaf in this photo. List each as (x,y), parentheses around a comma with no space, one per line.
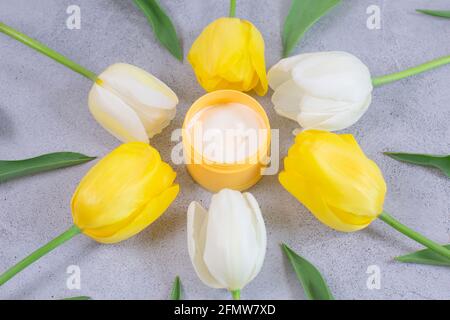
(162,26)
(425,256)
(10,169)
(428,160)
(302,15)
(176,289)
(78,298)
(310,278)
(435,13)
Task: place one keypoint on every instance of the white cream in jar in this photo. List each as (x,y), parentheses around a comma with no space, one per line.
(227,133)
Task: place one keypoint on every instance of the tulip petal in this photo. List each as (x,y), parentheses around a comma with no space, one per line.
(231,247)
(286,100)
(138,86)
(334,121)
(313,104)
(281,72)
(116,116)
(215,52)
(197,219)
(260,228)
(357,189)
(234,64)
(331,119)
(335,76)
(130,227)
(307,194)
(256,51)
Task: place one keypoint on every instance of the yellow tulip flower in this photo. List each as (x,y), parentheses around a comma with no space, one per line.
(334,179)
(345,190)
(119,197)
(229,54)
(124,193)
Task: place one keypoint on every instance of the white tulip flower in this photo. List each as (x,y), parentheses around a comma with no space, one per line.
(324,90)
(227,243)
(130,103)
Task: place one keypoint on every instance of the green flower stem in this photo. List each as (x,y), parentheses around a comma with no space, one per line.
(47,51)
(430,244)
(236,294)
(232,8)
(65,236)
(78,298)
(379,81)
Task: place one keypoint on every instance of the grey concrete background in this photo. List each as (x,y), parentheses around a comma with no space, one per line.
(43,108)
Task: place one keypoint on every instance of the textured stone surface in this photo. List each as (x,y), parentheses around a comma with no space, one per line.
(43,108)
